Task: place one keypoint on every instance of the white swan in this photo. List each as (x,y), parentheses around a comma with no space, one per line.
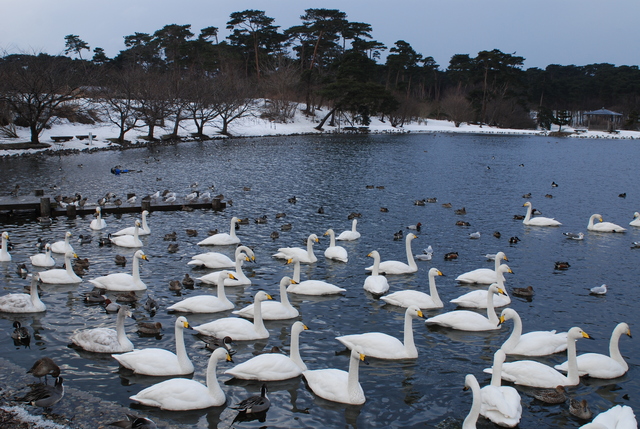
(310,287)
(23,302)
(376,283)
(466,320)
(60,276)
(237,328)
(470,382)
(98,223)
(337,253)
(535,343)
(536,374)
(122,281)
(238,279)
(636,219)
(274,366)
(598,365)
(337,385)
(618,417)
(304,256)
(217,260)
(539,220)
(206,303)
(384,346)
(128,240)
(349,235)
(223,239)
(397,267)
(62,246)
(273,310)
(603,226)
(478,298)
(160,362)
(406,298)
(485,276)
(182,394)
(43,259)
(500,404)
(106,340)
(132,229)
(5,256)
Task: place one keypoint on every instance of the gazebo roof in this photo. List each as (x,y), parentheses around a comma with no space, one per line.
(604,112)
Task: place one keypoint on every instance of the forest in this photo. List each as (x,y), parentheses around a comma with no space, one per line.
(327,64)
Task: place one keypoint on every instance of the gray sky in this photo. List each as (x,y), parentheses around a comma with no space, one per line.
(544,32)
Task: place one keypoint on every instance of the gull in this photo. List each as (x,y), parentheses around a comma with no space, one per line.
(635,245)
(574,236)
(599,290)
(475,235)
(426,255)
(132,200)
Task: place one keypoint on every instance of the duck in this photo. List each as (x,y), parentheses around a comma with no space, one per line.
(105,340)
(191,232)
(206,303)
(337,253)
(376,283)
(561,265)
(151,305)
(95,296)
(223,239)
(274,235)
(84,239)
(43,367)
(558,395)
(149,328)
(466,320)
(462,223)
(535,374)
(470,382)
(175,285)
(110,306)
(22,302)
(123,282)
(237,328)
(636,219)
(450,256)
(182,394)
(173,247)
(120,260)
(580,409)
(5,256)
(461,211)
(59,275)
(239,277)
(273,310)
(398,235)
(286,227)
(172,236)
(98,223)
(128,240)
(253,404)
(160,362)
(187,281)
(484,275)
(338,385)
(535,343)
(406,298)
(304,256)
(129,296)
(105,241)
(135,422)
(597,365)
(537,221)
(274,366)
(310,287)
(397,267)
(62,246)
(617,417)
(500,404)
(514,240)
(217,260)
(478,298)
(42,395)
(145,230)
(349,235)
(574,235)
(213,343)
(20,333)
(524,292)
(603,226)
(384,346)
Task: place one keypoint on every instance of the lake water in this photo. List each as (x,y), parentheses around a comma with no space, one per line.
(487,175)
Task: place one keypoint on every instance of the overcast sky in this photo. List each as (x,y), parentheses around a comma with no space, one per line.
(544,32)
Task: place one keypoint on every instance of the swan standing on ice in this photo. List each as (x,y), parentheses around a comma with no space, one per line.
(349,235)
(223,239)
(603,226)
(538,221)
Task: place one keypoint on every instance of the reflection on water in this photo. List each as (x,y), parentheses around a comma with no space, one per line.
(486,175)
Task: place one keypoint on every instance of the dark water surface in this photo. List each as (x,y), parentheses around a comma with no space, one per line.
(485,174)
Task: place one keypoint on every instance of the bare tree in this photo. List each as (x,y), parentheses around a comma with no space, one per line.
(233,100)
(154,104)
(280,88)
(119,102)
(457,107)
(201,107)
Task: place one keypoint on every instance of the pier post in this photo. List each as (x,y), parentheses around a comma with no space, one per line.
(45,207)
(145,205)
(71,211)
(216,204)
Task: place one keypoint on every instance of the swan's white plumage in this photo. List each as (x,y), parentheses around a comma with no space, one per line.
(603,226)
(470,382)
(310,287)
(304,256)
(223,239)
(43,259)
(132,229)
(617,417)
(539,220)
(238,277)
(105,340)
(5,256)
(376,283)
(500,404)
(466,320)
(123,282)
(62,246)
(273,310)
(485,276)
(478,298)
(636,219)
(349,235)
(217,260)
(59,275)
(206,303)
(98,223)
(23,302)
(406,298)
(128,240)
(535,343)
(397,267)
(337,253)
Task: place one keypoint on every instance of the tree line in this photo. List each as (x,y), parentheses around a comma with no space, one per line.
(326,62)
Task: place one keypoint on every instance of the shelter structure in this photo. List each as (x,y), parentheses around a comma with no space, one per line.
(603,119)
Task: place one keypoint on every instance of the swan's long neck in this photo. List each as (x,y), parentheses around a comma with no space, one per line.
(212,379)
(590,224)
(310,249)
(232,232)
(409,345)
(527,218)
(122,336)
(353,225)
(410,260)
(491,311)
(353,381)
(33,290)
(222,296)
(258,323)
(135,269)
(296,271)
(572,374)
(614,348)
(4,250)
(239,273)
(135,232)
(284,298)
(67,264)
(181,351)
(498,261)
(47,252)
(514,338)
(472,417)
(145,227)
(294,354)
(376,265)
(332,237)
(433,290)
(496,371)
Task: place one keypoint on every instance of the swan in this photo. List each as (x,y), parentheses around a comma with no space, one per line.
(338,253)
(500,404)
(182,394)
(62,246)
(43,259)
(123,282)
(603,226)
(216,260)
(60,275)
(536,343)
(636,219)
(206,303)
(128,240)
(273,310)
(237,328)
(405,298)
(397,267)
(23,302)
(598,365)
(538,221)
(485,276)
(383,346)
(132,229)
(239,278)
(376,283)
(478,298)
(98,223)
(160,362)
(304,256)
(349,235)
(223,239)
(466,320)
(274,366)
(618,417)
(106,340)
(5,256)
(470,382)
(310,287)
(337,385)
(536,374)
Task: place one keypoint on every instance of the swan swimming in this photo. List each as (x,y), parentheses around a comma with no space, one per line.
(603,226)
(537,221)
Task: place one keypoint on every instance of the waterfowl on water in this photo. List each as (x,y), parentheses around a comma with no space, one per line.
(537,221)
(603,226)
(131,230)
(397,267)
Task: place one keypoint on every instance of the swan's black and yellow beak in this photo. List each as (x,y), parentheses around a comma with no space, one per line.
(587,336)
(269,296)
(232,277)
(501,320)
(363,358)
(293,282)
